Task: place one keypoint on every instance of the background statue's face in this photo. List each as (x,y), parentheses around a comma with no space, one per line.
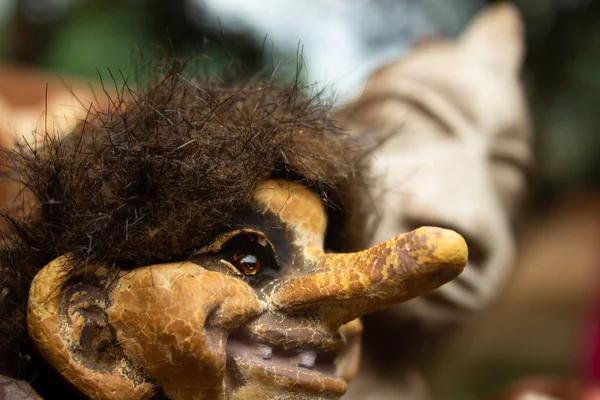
(262,312)
(459,151)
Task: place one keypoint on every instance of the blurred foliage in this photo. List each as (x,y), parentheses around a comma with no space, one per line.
(112,39)
(103,36)
(563,73)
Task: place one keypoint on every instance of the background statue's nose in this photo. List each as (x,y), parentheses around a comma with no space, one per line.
(347,286)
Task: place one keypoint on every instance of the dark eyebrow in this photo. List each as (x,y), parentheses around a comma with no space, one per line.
(425,109)
(372,101)
(451,98)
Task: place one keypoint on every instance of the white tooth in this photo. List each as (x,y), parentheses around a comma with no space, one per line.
(265,351)
(307,359)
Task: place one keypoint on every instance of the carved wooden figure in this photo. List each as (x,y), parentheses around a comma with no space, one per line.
(175,247)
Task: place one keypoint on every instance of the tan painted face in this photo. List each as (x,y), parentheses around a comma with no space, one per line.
(263,312)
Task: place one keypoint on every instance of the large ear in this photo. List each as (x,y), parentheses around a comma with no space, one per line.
(496,36)
(69,328)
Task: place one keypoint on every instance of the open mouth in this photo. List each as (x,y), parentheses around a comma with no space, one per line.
(305,365)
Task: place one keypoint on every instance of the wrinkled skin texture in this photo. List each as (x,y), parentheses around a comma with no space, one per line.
(213,327)
(457,149)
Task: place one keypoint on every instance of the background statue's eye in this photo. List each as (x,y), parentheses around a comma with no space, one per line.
(247,264)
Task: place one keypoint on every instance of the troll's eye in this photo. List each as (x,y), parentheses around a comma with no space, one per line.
(247,264)
(251,253)
(246,252)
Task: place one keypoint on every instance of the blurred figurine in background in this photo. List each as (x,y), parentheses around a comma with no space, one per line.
(456,154)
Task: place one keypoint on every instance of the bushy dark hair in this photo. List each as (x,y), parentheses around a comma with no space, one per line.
(158,175)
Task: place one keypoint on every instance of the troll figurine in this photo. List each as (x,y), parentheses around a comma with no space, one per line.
(198,241)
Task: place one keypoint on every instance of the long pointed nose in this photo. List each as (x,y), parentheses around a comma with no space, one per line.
(347,286)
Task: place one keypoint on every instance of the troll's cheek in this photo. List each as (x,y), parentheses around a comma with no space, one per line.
(173,320)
